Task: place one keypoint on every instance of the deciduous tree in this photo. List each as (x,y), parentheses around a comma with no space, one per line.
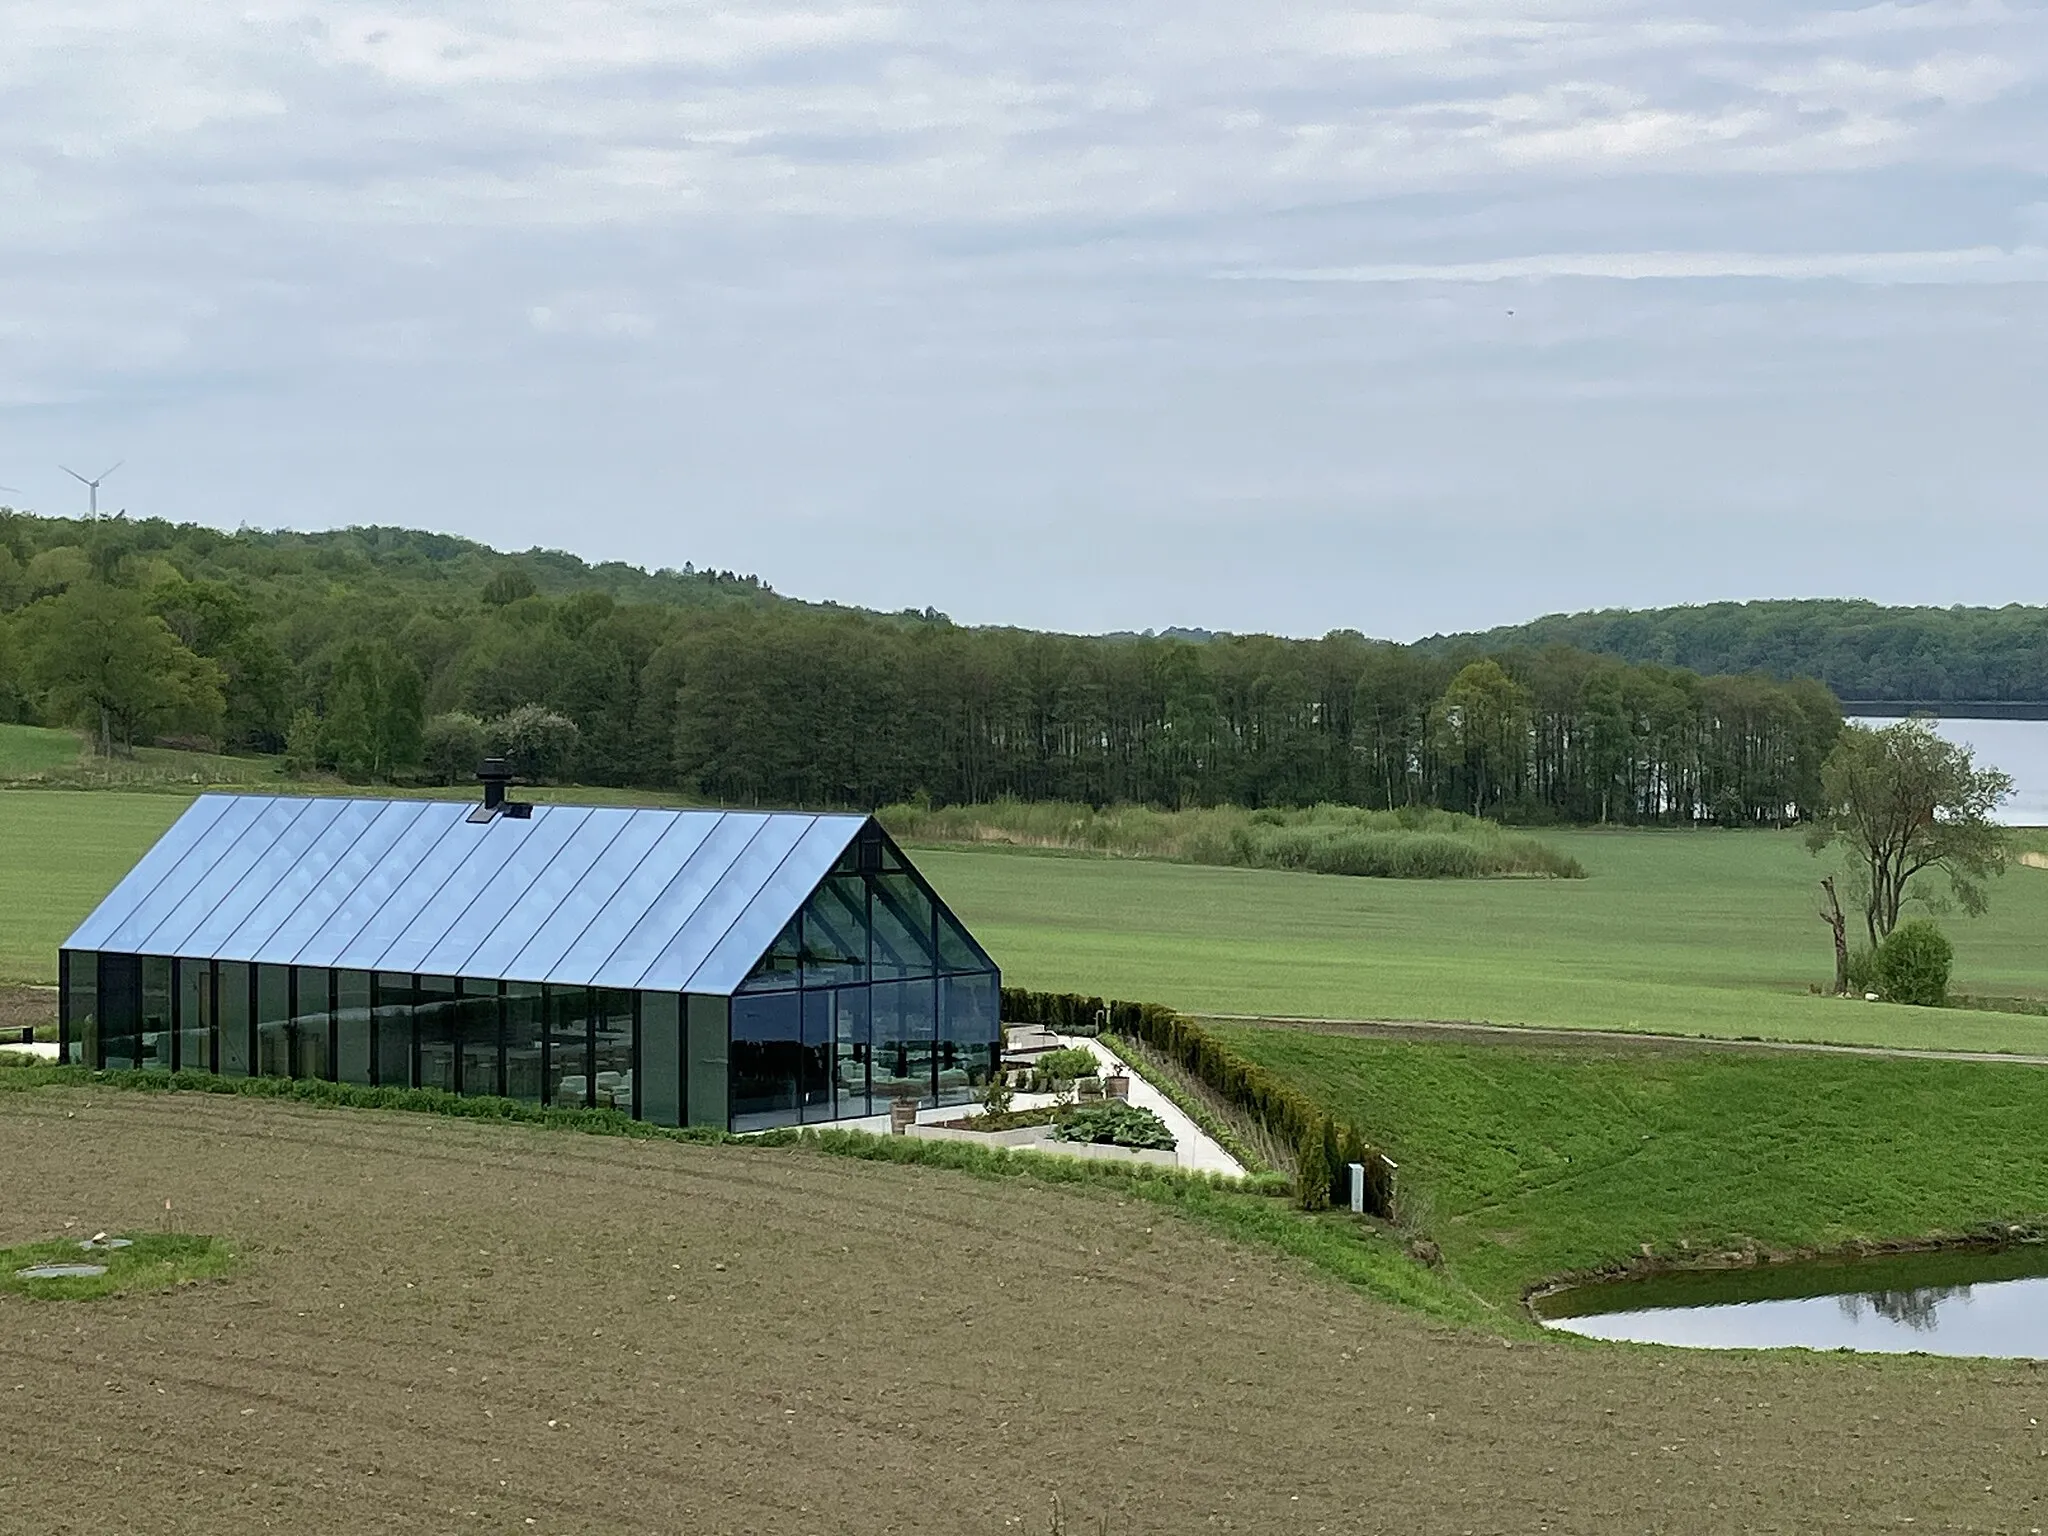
(1903,805)
(103,661)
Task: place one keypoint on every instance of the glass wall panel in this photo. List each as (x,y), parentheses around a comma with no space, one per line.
(569,1047)
(708,1027)
(958,952)
(82,1005)
(312,1023)
(232,1045)
(767,1047)
(434,1031)
(613,1044)
(120,1010)
(661,1058)
(476,1029)
(777,969)
(273,1021)
(902,928)
(902,1024)
(814,1065)
(524,1027)
(154,1042)
(970,1041)
(851,1070)
(195,1015)
(836,933)
(393,1013)
(352,1026)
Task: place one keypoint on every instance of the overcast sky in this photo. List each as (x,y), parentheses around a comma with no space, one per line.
(1088,316)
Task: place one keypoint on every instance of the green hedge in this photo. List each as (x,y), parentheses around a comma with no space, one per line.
(1288,1114)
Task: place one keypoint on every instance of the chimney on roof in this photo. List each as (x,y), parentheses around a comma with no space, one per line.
(496,777)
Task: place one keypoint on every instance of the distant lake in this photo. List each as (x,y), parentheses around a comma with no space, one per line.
(2020,747)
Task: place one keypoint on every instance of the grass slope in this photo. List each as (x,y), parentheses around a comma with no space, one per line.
(1710,933)
(33,755)
(1526,1162)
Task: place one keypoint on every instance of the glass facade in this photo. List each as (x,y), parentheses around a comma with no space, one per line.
(353,1051)
(524,1026)
(872,992)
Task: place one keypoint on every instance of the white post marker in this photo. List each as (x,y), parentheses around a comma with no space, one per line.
(1357,1189)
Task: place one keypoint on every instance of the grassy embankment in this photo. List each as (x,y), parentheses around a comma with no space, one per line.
(1321,840)
(34,756)
(1526,1162)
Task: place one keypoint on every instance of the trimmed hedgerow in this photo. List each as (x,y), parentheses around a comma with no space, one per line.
(1287,1114)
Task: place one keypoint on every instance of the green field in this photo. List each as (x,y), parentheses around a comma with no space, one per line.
(60,852)
(1698,933)
(1525,1162)
(1709,933)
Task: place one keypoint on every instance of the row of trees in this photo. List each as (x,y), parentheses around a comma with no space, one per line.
(362,653)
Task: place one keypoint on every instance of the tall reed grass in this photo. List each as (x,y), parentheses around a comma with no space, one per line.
(1415,844)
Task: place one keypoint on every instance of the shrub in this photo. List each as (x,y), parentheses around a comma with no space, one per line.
(1912,964)
(538,744)
(1312,1178)
(1333,1159)
(451,746)
(1407,844)
(1068,1063)
(1862,975)
(1116,1125)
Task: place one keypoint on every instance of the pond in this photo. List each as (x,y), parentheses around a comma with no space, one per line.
(1979,1302)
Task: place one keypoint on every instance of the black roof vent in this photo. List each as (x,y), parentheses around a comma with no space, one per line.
(496,777)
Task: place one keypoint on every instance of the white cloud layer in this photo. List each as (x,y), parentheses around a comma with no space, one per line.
(850,294)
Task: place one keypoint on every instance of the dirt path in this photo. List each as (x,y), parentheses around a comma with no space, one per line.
(451,1327)
(1531,1034)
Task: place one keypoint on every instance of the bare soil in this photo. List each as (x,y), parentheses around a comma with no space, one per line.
(443,1326)
(27,1008)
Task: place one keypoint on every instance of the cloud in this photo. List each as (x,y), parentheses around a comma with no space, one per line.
(1977,264)
(911,271)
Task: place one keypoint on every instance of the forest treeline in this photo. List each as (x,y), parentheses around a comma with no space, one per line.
(380,654)
(1860,650)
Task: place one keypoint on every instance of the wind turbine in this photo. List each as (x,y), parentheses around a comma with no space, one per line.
(92,486)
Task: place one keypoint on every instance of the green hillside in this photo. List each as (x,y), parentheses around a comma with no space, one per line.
(1861,650)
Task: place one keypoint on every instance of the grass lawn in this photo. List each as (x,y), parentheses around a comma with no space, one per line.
(1711,933)
(29,751)
(60,852)
(148,1261)
(1527,1161)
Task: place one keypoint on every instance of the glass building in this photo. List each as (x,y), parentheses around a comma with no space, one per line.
(724,968)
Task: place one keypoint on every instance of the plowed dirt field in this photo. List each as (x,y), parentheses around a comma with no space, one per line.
(445,1327)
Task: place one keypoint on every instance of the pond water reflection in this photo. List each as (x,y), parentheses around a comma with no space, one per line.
(1983,1302)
